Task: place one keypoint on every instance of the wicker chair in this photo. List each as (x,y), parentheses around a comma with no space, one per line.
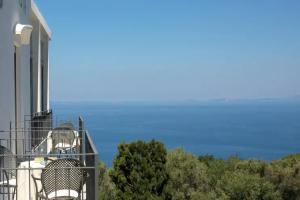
(61,179)
(67,125)
(7,172)
(63,137)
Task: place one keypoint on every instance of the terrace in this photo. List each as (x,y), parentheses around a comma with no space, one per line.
(47,160)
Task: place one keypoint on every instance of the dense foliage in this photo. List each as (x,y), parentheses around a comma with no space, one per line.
(107,189)
(146,171)
(139,171)
(187,176)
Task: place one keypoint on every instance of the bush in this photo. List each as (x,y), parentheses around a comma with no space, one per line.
(139,170)
(145,171)
(188,177)
(285,174)
(106,186)
(240,185)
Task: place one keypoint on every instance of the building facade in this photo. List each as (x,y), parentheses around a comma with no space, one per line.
(24,64)
(29,142)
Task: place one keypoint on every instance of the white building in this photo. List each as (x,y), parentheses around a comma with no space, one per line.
(24,63)
(28,140)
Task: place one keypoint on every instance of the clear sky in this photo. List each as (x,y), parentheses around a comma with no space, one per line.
(116,50)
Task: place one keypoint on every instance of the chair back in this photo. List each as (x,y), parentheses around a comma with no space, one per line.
(67,125)
(8,162)
(63,174)
(63,134)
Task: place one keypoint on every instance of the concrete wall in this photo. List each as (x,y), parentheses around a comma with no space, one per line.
(15,109)
(11,13)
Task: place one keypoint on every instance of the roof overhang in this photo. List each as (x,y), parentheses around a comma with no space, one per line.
(40,18)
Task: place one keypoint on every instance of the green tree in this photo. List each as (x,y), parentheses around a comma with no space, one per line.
(252,167)
(188,178)
(144,171)
(139,170)
(240,185)
(216,168)
(107,189)
(234,179)
(285,174)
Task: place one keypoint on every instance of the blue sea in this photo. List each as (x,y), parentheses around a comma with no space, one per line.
(261,130)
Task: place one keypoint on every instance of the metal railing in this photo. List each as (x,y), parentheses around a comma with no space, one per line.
(23,171)
(40,122)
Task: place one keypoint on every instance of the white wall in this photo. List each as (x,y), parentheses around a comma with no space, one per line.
(11,14)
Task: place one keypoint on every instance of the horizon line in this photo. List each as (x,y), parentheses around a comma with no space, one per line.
(191,101)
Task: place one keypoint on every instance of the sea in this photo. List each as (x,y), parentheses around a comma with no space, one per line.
(264,130)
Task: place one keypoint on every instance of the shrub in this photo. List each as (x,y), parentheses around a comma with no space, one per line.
(106,186)
(139,170)
(188,177)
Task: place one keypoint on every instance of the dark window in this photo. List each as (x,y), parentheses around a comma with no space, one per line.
(22,4)
(1,3)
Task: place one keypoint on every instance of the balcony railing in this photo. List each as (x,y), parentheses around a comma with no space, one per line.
(63,165)
(40,122)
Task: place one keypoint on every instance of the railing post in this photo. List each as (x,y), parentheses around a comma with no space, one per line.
(83,138)
(92,163)
(16,139)
(51,119)
(10,139)
(96,162)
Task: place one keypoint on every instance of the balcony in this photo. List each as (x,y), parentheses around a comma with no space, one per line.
(42,161)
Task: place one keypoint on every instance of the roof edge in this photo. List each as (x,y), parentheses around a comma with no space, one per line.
(40,17)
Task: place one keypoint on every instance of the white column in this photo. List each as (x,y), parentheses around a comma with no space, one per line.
(48,82)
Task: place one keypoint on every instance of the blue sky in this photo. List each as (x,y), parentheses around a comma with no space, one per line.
(173,50)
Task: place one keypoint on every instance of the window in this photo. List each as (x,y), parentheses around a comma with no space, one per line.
(22,4)
(1,3)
